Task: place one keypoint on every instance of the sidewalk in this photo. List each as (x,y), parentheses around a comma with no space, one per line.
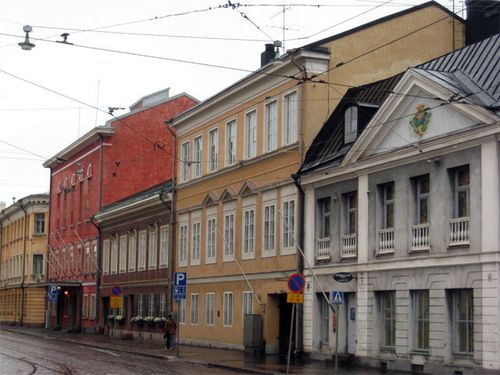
(230,359)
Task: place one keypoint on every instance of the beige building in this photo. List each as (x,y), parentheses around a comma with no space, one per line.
(238,209)
(23,261)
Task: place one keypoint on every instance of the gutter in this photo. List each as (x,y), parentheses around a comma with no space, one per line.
(21,205)
(99,238)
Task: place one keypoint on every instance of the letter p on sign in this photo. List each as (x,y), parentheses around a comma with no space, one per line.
(180,279)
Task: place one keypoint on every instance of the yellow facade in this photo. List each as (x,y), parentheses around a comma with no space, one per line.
(247,197)
(23,261)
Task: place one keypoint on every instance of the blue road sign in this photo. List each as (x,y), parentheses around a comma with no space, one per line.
(180,281)
(116,291)
(52,294)
(337,297)
(296,283)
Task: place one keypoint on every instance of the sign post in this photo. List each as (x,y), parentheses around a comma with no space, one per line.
(180,282)
(116,302)
(296,284)
(337,299)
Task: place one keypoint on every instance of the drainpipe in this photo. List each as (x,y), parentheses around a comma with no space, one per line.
(99,237)
(47,258)
(21,205)
(172,219)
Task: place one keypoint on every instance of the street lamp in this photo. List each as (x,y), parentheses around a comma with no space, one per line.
(27,45)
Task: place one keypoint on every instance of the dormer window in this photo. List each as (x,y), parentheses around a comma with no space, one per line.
(350,124)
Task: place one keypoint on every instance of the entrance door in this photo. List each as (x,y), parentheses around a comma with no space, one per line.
(284,332)
(351,323)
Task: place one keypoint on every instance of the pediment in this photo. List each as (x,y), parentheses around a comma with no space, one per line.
(418,111)
(210,200)
(247,189)
(228,195)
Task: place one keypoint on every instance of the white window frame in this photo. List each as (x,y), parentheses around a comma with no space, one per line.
(324,217)
(227,309)
(185,161)
(462,297)
(231,142)
(92,306)
(388,204)
(194,308)
(164,246)
(422,196)
(247,304)
(350,124)
(288,224)
(183,244)
(349,211)
(152,247)
(269,229)
(151,304)
(229,236)
(420,319)
(114,255)
(197,155)
(163,305)
(211,240)
(251,134)
(123,254)
(213,150)
(140,305)
(248,233)
(459,189)
(290,117)
(271,125)
(132,251)
(387,311)
(196,243)
(210,308)
(141,261)
(85,306)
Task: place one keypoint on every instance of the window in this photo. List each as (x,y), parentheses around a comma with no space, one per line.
(163,305)
(422,195)
(324,217)
(248,233)
(229,237)
(195,299)
(209,308)
(153,247)
(92,306)
(231,142)
(37,264)
(198,152)
(64,264)
(89,196)
(213,150)
(94,263)
(132,251)
(269,227)
(86,260)
(387,319)
(211,243)
(462,303)
(39,223)
(81,203)
(351,206)
(151,305)
(164,240)
(251,134)
(123,254)
(420,311)
(462,192)
(195,245)
(140,305)
(290,118)
(247,304)
(85,306)
(228,309)
(182,311)
(71,259)
(387,192)
(79,259)
(271,125)
(350,124)
(183,244)
(141,264)
(114,255)
(185,162)
(288,224)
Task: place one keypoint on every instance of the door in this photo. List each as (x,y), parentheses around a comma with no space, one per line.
(285,316)
(351,323)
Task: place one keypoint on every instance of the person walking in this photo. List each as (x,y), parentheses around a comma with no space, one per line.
(170,331)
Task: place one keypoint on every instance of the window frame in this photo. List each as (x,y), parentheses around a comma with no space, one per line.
(246,304)
(229,231)
(351,211)
(231,135)
(164,246)
(227,308)
(196,242)
(388,204)
(39,223)
(251,133)
(269,229)
(324,217)
(185,161)
(270,123)
(183,244)
(288,224)
(387,304)
(420,197)
(213,150)
(152,247)
(122,268)
(142,248)
(290,130)
(248,233)
(197,156)
(458,189)
(211,240)
(132,251)
(420,307)
(210,308)
(351,124)
(462,297)
(85,306)
(194,308)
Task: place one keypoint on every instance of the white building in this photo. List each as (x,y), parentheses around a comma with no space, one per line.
(402,190)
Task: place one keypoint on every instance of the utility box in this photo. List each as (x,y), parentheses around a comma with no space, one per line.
(252,334)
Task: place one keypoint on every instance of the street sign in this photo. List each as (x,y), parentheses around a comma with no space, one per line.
(296,283)
(338,297)
(116,302)
(343,277)
(295,298)
(116,291)
(52,293)
(180,281)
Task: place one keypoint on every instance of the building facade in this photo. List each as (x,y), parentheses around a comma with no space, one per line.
(109,163)
(402,192)
(238,208)
(23,272)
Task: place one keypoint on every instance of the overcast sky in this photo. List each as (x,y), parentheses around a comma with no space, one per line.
(49,95)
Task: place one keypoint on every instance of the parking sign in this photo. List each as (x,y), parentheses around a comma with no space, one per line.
(180,281)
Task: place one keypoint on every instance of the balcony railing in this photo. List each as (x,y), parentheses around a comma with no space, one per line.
(386,241)
(459,231)
(349,245)
(420,240)
(323,249)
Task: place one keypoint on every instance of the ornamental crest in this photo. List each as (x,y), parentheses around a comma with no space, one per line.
(420,121)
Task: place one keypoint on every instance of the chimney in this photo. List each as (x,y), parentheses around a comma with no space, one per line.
(268,55)
(483,20)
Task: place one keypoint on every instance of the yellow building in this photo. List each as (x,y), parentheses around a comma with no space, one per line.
(23,228)
(238,209)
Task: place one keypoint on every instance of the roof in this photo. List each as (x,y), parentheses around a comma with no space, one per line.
(472,72)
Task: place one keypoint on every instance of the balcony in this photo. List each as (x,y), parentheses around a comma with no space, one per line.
(349,246)
(420,239)
(459,231)
(385,241)
(323,249)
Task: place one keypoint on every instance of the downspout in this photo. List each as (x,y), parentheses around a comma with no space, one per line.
(99,237)
(21,205)
(47,258)
(172,219)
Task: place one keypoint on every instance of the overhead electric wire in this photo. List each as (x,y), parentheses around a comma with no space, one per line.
(234,6)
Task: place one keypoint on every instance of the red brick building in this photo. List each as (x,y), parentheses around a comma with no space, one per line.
(129,154)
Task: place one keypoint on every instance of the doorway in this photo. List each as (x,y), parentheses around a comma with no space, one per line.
(351,323)
(285,321)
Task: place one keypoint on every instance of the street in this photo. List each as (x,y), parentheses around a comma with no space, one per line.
(21,354)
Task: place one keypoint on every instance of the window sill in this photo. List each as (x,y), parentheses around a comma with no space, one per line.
(461,361)
(459,246)
(423,250)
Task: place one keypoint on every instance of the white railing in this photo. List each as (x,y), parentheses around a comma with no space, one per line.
(459,231)
(420,239)
(386,241)
(349,246)
(323,248)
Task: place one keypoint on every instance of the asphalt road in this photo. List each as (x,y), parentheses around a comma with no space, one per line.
(23,355)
